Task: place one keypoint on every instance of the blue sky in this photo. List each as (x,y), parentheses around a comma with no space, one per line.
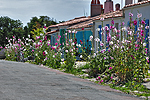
(60,10)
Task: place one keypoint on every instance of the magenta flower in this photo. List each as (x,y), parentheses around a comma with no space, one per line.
(112,22)
(59,36)
(53,48)
(101,81)
(32,50)
(44,54)
(45,38)
(45,27)
(110,67)
(111,77)
(142,22)
(56,43)
(41,41)
(1,47)
(135,22)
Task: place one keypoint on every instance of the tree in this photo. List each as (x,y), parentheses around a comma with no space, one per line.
(9,28)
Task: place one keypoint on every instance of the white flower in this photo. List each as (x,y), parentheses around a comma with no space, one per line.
(94,55)
(111,43)
(53,56)
(97,39)
(144,44)
(98,29)
(36,54)
(91,37)
(65,33)
(45,52)
(66,51)
(71,50)
(41,34)
(27,39)
(147,58)
(139,15)
(62,60)
(29,36)
(102,18)
(81,56)
(73,43)
(79,45)
(147,27)
(70,40)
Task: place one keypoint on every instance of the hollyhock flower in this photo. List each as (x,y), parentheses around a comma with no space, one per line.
(45,38)
(147,27)
(102,18)
(106,28)
(98,29)
(108,38)
(142,22)
(139,15)
(111,77)
(110,67)
(132,57)
(79,45)
(104,58)
(130,14)
(97,39)
(66,51)
(91,37)
(123,23)
(81,56)
(65,33)
(142,34)
(101,44)
(135,22)
(111,43)
(45,27)
(101,81)
(1,47)
(144,44)
(44,54)
(56,43)
(40,41)
(13,36)
(59,36)
(82,29)
(112,22)
(69,31)
(53,48)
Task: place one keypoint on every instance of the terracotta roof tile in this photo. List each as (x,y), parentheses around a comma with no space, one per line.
(139,3)
(113,14)
(52,32)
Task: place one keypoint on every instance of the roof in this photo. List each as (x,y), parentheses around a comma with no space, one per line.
(51,32)
(71,22)
(113,14)
(85,24)
(135,4)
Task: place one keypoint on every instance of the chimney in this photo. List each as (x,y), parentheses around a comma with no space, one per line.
(96,8)
(108,6)
(117,6)
(127,2)
(142,0)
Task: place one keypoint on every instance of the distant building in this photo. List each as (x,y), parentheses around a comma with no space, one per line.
(91,23)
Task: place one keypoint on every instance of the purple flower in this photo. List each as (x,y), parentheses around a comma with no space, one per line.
(130,14)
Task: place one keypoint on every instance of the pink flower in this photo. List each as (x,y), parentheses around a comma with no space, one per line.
(139,15)
(135,22)
(44,54)
(111,77)
(104,58)
(13,36)
(1,47)
(45,27)
(110,67)
(130,14)
(41,41)
(56,43)
(53,48)
(112,22)
(45,38)
(142,22)
(59,36)
(32,50)
(101,81)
